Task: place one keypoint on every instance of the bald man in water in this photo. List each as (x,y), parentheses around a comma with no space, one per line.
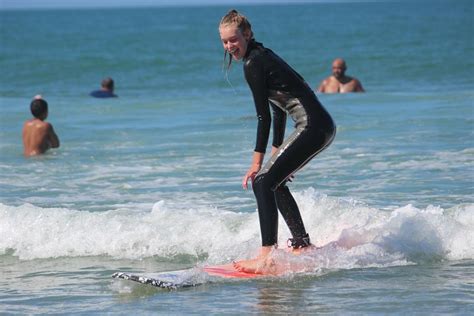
(38,135)
(338,82)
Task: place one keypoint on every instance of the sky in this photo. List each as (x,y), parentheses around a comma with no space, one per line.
(27,4)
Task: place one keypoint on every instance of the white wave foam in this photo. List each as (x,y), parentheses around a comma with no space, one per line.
(355,235)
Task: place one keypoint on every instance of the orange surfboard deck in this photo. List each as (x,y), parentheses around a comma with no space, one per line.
(228,271)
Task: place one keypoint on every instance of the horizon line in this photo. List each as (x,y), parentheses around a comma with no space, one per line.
(13,6)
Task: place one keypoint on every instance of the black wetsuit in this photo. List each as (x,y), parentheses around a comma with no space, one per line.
(274,82)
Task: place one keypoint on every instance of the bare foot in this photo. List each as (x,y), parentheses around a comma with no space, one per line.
(262,264)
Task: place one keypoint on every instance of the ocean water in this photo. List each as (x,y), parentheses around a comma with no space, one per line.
(151,181)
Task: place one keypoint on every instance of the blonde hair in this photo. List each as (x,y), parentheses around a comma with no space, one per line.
(242,23)
(234,17)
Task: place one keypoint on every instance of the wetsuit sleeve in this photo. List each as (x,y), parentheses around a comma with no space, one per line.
(279,125)
(255,76)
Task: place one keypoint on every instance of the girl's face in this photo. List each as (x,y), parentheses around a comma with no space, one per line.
(233,40)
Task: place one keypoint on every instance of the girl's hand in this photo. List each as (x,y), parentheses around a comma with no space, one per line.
(251,173)
(257,160)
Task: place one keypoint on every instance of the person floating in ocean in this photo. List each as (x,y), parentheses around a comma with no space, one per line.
(106,90)
(275,84)
(38,135)
(338,82)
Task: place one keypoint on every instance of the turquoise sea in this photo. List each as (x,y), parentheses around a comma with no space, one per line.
(151,181)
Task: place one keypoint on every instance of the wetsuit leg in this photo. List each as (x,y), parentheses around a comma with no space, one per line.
(267,209)
(289,210)
(269,189)
(269,202)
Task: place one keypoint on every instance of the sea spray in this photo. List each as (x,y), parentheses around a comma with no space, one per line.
(358,235)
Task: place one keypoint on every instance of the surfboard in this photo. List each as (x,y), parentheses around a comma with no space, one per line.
(228,271)
(172,280)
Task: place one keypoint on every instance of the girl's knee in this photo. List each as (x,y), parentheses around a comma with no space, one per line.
(258,184)
(262,184)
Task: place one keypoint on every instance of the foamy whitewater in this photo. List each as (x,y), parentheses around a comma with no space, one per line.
(151,181)
(368,237)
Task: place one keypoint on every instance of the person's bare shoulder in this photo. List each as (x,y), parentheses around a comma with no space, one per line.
(329,85)
(358,85)
(37,128)
(323,85)
(43,126)
(29,123)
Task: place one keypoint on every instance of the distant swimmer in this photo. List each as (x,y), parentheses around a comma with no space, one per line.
(38,135)
(278,91)
(338,82)
(106,90)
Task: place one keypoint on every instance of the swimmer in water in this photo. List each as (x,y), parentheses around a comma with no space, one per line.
(274,84)
(107,87)
(38,135)
(339,82)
